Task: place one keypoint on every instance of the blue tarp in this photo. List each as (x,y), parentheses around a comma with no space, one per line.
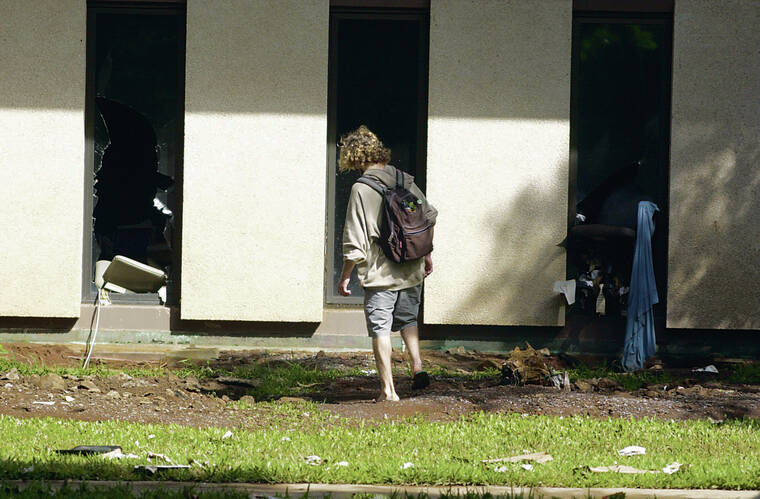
(639,327)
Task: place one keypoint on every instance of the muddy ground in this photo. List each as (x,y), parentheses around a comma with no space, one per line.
(208,402)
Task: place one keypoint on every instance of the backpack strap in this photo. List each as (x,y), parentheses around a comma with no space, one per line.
(380,189)
(399,178)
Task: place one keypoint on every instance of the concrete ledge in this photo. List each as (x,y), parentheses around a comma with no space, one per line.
(347,491)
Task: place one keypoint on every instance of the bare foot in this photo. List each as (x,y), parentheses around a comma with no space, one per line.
(384,396)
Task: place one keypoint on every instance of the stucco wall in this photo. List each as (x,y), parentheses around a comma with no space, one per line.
(498,145)
(42,93)
(714,241)
(254,167)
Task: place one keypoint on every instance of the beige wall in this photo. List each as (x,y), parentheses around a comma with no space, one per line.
(714,246)
(498,145)
(254,167)
(42,93)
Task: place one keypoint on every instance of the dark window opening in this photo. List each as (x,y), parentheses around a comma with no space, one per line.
(378,78)
(620,129)
(134,141)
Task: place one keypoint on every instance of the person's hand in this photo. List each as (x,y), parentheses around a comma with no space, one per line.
(343,286)
(428,265)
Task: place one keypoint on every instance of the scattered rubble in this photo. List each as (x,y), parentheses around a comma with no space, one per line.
(688,394)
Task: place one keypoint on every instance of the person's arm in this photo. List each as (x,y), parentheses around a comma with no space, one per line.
(345,276)
(354,240)
(428,264)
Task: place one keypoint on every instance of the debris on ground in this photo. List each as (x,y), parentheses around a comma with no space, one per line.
(632,450)
(617,468)
(11,375)
(85,450)
(708,369)
(118,454)
(527,366)
(674,393)
(669,469)
(538,457)
(672,468)
(313,460)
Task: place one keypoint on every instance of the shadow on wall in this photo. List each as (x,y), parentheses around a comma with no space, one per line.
(714,245)
(513,281)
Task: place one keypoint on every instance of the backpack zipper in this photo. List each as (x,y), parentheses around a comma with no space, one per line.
(418,231)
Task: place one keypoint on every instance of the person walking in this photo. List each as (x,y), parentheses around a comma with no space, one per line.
(391,290)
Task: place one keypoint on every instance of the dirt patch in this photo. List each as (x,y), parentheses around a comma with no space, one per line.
(49,355)
(189,401)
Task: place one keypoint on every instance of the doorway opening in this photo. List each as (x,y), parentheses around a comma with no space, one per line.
(134,123)
(620,143)
(378,78)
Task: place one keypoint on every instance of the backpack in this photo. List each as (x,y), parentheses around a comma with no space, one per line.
(405,232)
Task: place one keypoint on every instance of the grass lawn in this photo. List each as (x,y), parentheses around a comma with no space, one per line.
(725,456)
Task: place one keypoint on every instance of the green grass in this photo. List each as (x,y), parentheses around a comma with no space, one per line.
(27,369)
(629,381)
(441,371)
(725,456)
(274,382)
(745,374)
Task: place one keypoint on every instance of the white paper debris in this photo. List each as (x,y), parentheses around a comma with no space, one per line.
(117,454)
(151,436)
(539,457)
(44,402)
(68,398)
(313,460)
(500,469)
(341,463)
(630,470)
(632,450)
(709,369)
(227,435)
(528,467)
(407,466)
(672,468)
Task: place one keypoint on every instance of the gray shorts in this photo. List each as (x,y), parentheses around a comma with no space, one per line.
(388,311)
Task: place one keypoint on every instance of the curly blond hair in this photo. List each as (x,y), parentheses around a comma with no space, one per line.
(361,148)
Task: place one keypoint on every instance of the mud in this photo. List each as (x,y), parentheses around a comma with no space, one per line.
(188,401)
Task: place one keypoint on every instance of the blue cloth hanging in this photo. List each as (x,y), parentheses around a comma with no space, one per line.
(639,326)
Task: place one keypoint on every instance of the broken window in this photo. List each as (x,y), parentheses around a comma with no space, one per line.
(620,127)
(378,78)
(134,114)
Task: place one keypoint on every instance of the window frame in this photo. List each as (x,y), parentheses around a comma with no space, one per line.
(177,8)
(340,10)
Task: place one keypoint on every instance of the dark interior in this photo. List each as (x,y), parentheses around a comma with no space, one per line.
(620,131)
(136,128)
